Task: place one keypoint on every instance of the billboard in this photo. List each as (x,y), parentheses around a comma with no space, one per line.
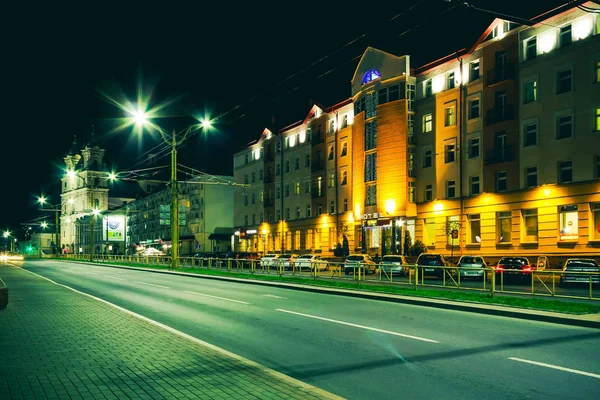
(114,228)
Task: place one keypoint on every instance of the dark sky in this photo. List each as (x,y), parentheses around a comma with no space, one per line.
(57,60)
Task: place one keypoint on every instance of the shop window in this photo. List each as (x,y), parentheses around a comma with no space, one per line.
(530,225)
(474,229)
(429,231)
(569,222)
(504,226)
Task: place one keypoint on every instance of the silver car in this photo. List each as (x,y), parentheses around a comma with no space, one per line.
(471,267)
(393,265)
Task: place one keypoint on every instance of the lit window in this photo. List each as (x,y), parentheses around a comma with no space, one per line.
(529,225)
(371,135)
(427,122)
(297,190)
(475,187)
(531,177)
(449,119)
(530,92)
(474,109)
(369,76)
(449,153)
(344,178)
(598,68)
(564,81)
(371,199)
(530,135)
(344,149)
(452,223)
(428,192)
(564,127)
(330,153)
(450,189)
(501,181)
(427,159)
(474,148)
(411,192)
(531,49)
(565,172)
(371,167)
(474,228)
(331,180)
(429,231)
(504,228)
(320,186)
(569,222)
(597,119)
(566,36)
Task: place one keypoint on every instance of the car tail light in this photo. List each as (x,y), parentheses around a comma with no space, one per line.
(527,268)
(499,267)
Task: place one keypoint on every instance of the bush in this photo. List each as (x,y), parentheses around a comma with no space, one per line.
(338,251)
(417,248)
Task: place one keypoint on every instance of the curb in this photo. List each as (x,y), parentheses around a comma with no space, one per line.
(3,295)
(587,321)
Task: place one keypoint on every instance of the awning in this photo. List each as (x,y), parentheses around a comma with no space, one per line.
(219,236)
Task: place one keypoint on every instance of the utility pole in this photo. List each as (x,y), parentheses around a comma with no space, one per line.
(92,223)
(174,204)
(461,154)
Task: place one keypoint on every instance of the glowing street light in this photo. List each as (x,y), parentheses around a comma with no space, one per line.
(42,200)
(6,234)
(140,117)
(44,225)
(56,209)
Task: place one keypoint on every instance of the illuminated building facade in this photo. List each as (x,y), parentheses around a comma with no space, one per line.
(499,143)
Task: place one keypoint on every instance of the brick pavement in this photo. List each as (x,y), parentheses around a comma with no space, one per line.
(59,344)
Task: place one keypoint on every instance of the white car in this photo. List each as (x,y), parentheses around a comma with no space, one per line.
(310,261)
(286,260)
(150,252)
(268,260)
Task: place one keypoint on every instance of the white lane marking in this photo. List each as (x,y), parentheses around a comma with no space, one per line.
(313,390)
(114,277)
(216,297)
(273,296)
(152,284)
(89,273)
(360,326)
(573,371)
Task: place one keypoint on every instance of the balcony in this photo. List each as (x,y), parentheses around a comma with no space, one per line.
(497,75)
(499,155)
(318,166)
(500,114)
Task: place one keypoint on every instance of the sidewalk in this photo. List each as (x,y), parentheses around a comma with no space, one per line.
(59,344)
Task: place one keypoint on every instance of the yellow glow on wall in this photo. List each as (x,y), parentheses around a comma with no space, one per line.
(390,206)
(437,83)
(302,136)
(438,207)
(547,40)
(546,192)
(357,209)
(292,140)
(350,217)
(256,154)
(582,28)
(324,220)
(268,135)
(350,117)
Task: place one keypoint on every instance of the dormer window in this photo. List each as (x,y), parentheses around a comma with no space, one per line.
(369,76)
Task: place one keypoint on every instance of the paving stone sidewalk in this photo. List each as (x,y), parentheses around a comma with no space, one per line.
(59,344)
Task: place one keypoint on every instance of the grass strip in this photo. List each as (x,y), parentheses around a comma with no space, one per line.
(566,306)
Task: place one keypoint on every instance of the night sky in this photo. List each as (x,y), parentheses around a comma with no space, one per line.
(249,61)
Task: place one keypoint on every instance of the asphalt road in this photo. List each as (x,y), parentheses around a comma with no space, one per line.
(357,348)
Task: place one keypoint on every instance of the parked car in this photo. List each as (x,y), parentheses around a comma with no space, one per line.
(246,258)
(518,267)
(363,261)
(310,262)
(286,260)
(150,252)
(471,267)
(268,260)
(580,265)
(393,265)
(427,263)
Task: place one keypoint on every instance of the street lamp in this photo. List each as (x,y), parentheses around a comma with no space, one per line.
(141,118)
(55,209)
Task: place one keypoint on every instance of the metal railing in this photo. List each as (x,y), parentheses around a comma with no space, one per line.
(548,283)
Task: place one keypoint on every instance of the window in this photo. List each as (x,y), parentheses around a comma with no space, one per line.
(427,122)
(394,93)
(261,175)
(287,190)
(450,81)
(531,179)
(320,186)
(475,187)
(453,222)
(278,147)
(564,127)
(565,35)
(449,116)
(287,214)
(429,231)
(371,195)
(410,122)
(597,166)
(450,189)
(297,212)
(307,187)
(371,167)
(428,192)
(411,162)
(530,225)
(344,149)
(530,135)
(474,109)
(246,179)
(332,126)
(474,71)
(332,207)
(278,213)
(474,148)
(253,198)
(253,177)
(278,169)
(530,92)
(501,181)
(246,162)
(246,220)
(344,178)
(297,163)
(569,222)
(330,153)
(565,172)
(262,196)
(287,166)
(345,121)
(319,209)
(598,68)
(371,135)
(474,228)
(449,153)
(428,88)
(345,205)
(331,180)
(531,49)
(307,160)
(253,219)
(504,228)
(297,189)
(412,94)
(278,193)
(427,159)
(595,211)
(245,199)
(564,81)
(597,119)
(308,211)
(411,192)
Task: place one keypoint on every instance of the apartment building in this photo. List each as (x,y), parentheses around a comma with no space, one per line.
(492,150)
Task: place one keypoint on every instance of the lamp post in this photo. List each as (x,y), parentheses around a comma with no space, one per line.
(140,119)
(56,210)
(7,236)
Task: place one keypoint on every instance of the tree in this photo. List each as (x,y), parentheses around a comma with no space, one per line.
(417,248)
